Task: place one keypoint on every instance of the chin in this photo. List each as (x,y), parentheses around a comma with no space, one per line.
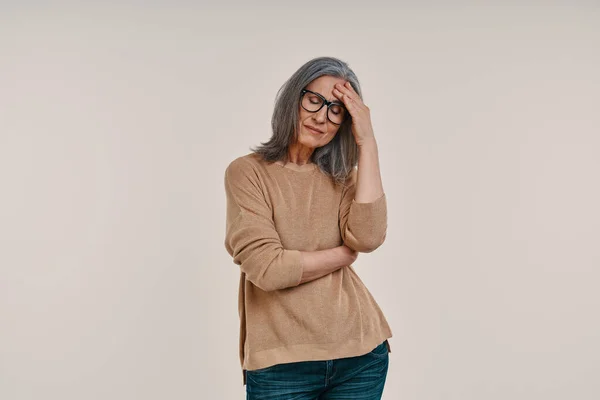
(311,141)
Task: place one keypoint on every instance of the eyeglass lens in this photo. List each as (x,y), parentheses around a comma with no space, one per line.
(312,102)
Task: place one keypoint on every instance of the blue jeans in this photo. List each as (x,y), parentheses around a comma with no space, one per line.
(361,377)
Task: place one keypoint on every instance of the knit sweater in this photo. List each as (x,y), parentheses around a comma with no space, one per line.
(273,213)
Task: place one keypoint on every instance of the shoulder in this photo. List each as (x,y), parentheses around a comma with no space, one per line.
(244,167)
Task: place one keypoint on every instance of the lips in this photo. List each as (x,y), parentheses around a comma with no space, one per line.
(315,130)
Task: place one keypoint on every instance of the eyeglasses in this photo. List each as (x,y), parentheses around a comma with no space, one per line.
(313,102)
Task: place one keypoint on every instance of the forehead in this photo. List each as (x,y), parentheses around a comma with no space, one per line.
(324,85)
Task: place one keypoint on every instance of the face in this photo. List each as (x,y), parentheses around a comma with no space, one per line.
(327,130)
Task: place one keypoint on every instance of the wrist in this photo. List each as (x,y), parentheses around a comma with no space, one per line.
(367,143)
(347,255)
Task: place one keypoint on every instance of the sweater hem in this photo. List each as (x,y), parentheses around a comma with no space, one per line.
(313,352)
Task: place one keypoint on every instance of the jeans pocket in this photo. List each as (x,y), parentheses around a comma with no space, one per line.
(380,351)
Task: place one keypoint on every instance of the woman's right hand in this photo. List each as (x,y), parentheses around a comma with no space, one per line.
(349,253)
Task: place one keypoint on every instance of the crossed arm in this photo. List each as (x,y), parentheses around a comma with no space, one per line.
(253,242)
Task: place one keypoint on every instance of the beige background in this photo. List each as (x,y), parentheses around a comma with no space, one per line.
(116,125)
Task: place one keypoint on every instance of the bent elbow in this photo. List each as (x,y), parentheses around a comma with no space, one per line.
(365,244)
(283,272)
(266,285)
(258,276)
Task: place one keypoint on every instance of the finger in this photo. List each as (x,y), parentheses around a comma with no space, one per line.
(353,106)
(339,94)
(343,90)
(344,95)
(350,93)
(349,86)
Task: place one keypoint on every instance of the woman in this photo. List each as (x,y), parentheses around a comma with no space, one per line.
(298,213)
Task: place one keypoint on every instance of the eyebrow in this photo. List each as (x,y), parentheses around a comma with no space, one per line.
(336,101)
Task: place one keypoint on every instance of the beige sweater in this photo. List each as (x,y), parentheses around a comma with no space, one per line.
(273,213)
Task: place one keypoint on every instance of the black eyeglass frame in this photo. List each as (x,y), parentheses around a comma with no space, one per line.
(325,102)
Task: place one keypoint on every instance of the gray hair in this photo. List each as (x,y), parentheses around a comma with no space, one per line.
(338,157)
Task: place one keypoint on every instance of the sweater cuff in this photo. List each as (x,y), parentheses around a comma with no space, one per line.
(296,267)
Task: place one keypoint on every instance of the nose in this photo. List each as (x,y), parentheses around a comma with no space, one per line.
(321,115)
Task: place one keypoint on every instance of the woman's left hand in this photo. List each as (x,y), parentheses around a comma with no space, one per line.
(362,129)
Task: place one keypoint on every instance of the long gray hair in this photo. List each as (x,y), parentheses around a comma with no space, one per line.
(338,157)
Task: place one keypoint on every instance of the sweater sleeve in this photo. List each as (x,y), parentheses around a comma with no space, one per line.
(363,226)
(251,238)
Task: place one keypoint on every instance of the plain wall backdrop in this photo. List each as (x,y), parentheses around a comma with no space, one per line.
(117,121)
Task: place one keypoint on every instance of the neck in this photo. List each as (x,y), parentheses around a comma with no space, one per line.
(299,154)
